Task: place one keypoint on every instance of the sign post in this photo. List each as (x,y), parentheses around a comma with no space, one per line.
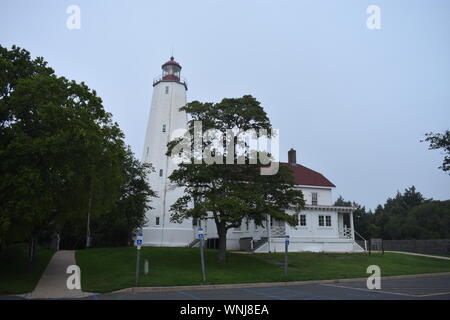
(139,238)
(286,244)
(202,258)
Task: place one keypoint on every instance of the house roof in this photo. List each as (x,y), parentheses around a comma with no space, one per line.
(306,176)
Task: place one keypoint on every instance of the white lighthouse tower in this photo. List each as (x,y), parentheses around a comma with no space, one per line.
(169,95)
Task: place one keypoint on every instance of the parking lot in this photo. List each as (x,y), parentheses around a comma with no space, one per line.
(423,287)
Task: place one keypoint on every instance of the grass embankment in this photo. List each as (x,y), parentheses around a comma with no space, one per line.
(109,269)
(15,276)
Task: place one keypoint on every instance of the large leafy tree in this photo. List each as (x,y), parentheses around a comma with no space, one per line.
(61,155)
(118,226)
(228,193)
(15,65)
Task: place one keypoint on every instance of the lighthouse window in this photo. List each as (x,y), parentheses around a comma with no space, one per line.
(167,89)
(157,221)
(164,128)
(147,150)
(160,172)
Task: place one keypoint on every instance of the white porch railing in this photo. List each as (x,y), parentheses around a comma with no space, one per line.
(278,231)
(260,233)
(275,231)
(345,232)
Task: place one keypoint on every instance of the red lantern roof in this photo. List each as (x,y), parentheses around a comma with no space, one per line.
(171,62)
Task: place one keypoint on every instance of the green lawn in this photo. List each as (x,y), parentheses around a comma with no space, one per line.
(15,276)
(109,269)
(316,266)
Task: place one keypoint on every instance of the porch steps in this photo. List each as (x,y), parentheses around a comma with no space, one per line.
(357,247)
(259,243)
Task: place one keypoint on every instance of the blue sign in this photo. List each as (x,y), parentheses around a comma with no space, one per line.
(200,235)
(287,242)
(138,242)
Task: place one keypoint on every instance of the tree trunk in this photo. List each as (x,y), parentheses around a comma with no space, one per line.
(2,245)
(32,246)
(222,232)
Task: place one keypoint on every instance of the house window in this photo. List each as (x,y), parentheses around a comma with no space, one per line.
(303,219)
(246,224)
(256,225)
(324,221)
(328,221)
(321,221)
(167,90)
(157,221)
(160,172)
(314,198)
(164,128)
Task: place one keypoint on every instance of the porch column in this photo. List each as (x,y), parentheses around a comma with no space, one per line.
(351,225)
(269,232)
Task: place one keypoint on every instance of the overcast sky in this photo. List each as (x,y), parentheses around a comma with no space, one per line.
(353,102)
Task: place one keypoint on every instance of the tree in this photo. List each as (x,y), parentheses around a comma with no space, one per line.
(440,141)
(228,193)
(118,226)
(61,155)
(15,64)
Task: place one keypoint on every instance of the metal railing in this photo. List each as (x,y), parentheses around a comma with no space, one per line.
(365,241)
(345,232)
(179,80)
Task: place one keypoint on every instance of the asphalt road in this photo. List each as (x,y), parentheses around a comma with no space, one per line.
(434,287)
(418,288)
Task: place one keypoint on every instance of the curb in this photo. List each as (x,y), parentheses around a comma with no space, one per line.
(421,255)
(261,284)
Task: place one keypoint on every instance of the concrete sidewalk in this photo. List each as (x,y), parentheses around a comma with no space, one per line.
(52,284)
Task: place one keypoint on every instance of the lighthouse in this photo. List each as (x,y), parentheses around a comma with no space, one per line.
(169,95)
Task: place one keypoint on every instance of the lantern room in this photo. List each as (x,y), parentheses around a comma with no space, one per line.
(170,72)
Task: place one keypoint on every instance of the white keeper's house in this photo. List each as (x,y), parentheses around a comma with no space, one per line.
(321,227)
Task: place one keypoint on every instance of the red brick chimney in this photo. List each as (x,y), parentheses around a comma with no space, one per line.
(292,157)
